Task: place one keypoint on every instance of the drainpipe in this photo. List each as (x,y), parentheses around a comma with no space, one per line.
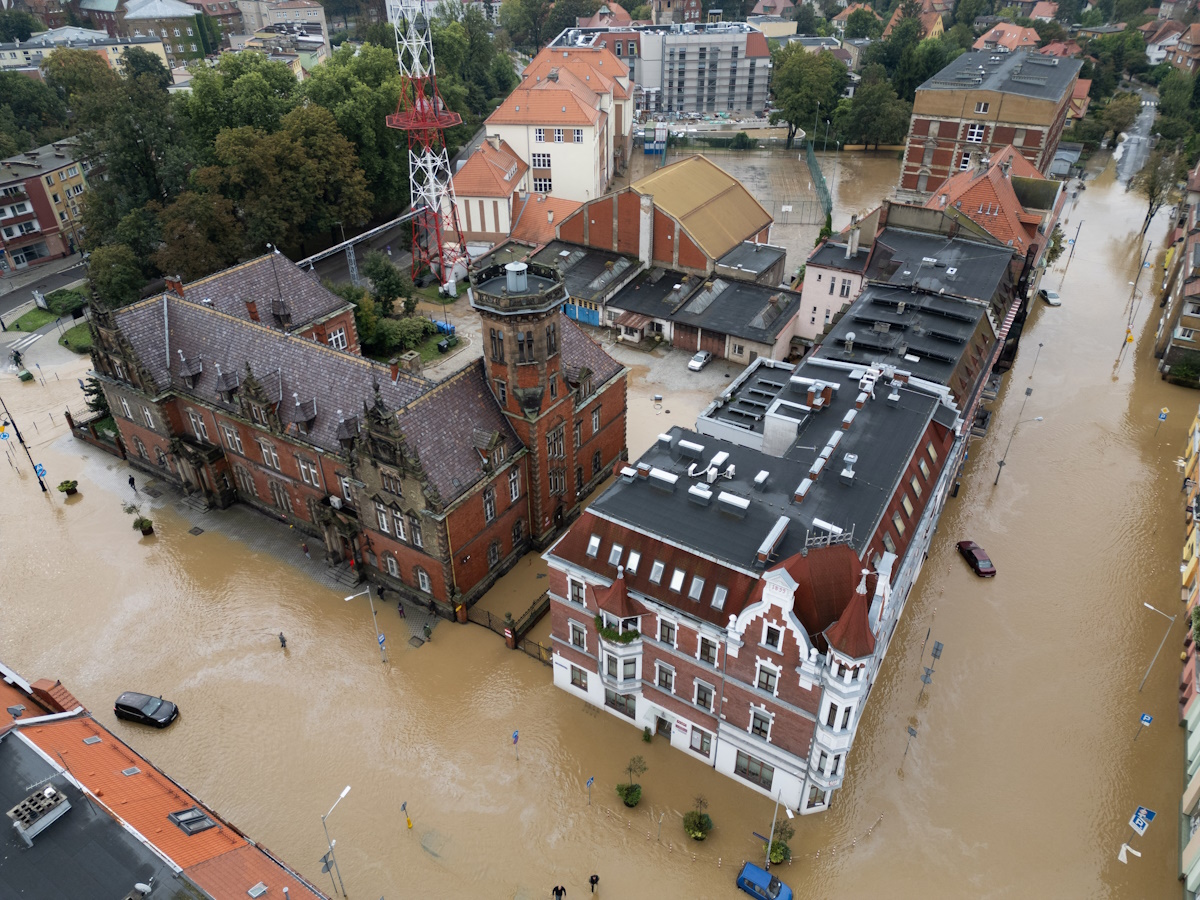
(720,705)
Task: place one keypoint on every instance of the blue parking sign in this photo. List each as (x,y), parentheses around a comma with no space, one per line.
(1141,820)
(1147,719)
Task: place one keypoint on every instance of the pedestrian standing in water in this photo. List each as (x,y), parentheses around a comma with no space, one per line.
(282,641)
(559,892)
(593,881)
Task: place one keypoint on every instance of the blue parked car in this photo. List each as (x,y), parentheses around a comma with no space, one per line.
(760,883)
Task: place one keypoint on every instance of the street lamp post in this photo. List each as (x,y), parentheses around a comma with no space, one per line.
(1000,464)
(374,623)
(332,857)
(1160,645)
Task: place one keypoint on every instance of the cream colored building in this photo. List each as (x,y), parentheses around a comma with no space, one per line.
(31,53)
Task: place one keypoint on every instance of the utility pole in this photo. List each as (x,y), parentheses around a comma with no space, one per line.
(11,421)
(1074,242)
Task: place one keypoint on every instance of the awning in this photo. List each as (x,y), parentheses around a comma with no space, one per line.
(633,320)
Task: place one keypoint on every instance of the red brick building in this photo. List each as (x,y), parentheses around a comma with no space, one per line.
(981,103)
(247,386)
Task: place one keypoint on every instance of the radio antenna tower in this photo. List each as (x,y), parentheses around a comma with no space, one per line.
(425,117)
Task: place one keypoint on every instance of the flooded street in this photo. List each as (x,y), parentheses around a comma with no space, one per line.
(1019,784)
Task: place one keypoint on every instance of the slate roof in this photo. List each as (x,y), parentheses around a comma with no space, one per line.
(712,206)
(852,634)
(440,426)
(285,363)
(264,280)
(158,9)
(579,351)
(752,258)
(755,312)
(44,159)
(1022,73)
(830,255)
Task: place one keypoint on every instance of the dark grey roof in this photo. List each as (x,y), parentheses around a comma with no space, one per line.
(833,256)
(283,363)
(1022,73)
(266,280)
(39,160)
(86,853)
(585,270)
(443,425)
(882,435)
(656,293)
(928,337)
(962,267)
(579,352)
(752,258)
(752,311)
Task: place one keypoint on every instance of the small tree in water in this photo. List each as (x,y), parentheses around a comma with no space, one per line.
(1165,167)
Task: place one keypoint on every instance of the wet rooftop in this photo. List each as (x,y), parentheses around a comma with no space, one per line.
(752,258)
(925,334)
(935,262)
(755,312)
(656,293)
(762,464)
(585,271)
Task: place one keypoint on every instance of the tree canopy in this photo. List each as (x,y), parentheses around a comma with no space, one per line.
(804,85)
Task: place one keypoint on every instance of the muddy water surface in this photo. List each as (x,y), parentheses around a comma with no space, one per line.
(1019,783)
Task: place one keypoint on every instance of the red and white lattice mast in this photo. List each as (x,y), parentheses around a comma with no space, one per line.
(422,113)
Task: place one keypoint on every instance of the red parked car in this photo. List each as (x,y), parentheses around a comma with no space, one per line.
(977,558)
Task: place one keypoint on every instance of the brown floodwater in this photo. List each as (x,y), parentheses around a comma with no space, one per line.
(1019,783)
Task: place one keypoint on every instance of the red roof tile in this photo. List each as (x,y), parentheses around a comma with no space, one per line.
(756,44)
(1009,36)
(233,874)
(546,104)
(825,581)
(615,599)
(54,696)
(538,219)
(851,634)
(1044,8)
(490,172)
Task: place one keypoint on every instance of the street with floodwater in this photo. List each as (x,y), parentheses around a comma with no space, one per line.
(1019,783)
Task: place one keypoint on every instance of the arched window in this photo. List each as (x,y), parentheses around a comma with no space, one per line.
(423,580)
(493,554)
(141,448)
(518,531)
(390,562)
(162,458)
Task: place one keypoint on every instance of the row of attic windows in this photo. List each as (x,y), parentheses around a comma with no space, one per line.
(695,589)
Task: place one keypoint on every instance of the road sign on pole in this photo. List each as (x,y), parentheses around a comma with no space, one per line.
(381,640)
(1142,723)
(1141,820)
(40,469)
(590,781)
(515,747)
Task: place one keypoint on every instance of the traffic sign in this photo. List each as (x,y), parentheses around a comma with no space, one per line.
(41,470)
(591,781)
(1147,719)
(1141,820)
(515,737)
(3,435)
(1070,240)
(381,640)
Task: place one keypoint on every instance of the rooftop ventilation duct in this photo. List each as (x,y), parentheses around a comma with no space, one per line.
(516,277)
(628,473)
(37,812)
(733,504)
(690,449)
(802,490)
(847,475)
(767,548)
(760,480)
(700,495)
(663,480)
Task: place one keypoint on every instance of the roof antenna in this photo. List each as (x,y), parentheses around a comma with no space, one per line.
(275,252)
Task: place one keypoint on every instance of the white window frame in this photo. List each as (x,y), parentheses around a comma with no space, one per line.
(575,585)
(558,135)
(614,554)
(423,582)
(309,472)
(337,339)
(383,517)
(767,627)
(539,135)
(148,417)
(489,505)
(199,428)
(965,162)
(393,567)
(539,160)
(755,713)
(270,455)
(233,440)
(1185,334)
(982,107)
(596,421)
(720,592)
(399,525)
(677,580)
(344,482)
(761,667)
(975,134)
(514,484)
(632,560)
(656,571)
(701,641)
(705,738)
(579,628)
(593,547)
(125,408)
(674,626)
(696,685)
(696,589)
(660,669)
(579,135)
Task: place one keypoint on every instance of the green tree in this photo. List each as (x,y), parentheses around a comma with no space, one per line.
(94,396)
(1121,112)
(31,113)
(1157,179)
(641,13)
(863,23)
(920,62)
(806,19)
(1049,32)
(115,275)
(877,116)
(968,11)
(1175,94)
(138,62)
(291,185)
(563,14)
(361,89)
(77,73)
(201,235)
(138,230)
(388,282)
(527,22)
(804,84)
(17,25)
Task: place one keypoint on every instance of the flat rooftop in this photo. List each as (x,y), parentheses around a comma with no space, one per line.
(1022,73)
(924,334)
(85,853)
(730,518)
(833,256)
(39,160)
(585,271)
(755,312)
(935,262)
(752,258)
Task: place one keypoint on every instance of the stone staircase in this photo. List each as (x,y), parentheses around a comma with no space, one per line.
(196,501)
(342,573)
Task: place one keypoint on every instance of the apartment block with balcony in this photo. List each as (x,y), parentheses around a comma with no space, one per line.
(1189,683)
(40,193)
(688,67)
(979,104)
(1178,338)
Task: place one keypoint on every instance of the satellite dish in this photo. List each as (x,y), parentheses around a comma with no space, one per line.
(850,335)
(142,888)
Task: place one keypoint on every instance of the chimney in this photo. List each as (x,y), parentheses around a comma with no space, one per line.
(494,140)
(550,216)
(1006,166)
(852,243)
(174,284)
(646,230)
(553,76)
(394,365)
(252,309)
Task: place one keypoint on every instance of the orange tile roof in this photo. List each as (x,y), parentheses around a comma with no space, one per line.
(142,800)
(232,874)
(490,172)
(597,69)
(1061,48)
(845,14)
(538,219)
(11,695)
(1009,36)
(851,634)
(1044,8)
(54,696)
(601,58)
(545,104)
(1002,216)
(756,44)
(610,13)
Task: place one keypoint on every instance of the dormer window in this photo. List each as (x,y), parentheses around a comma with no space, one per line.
(593,547)
(258,414)
(772,637)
